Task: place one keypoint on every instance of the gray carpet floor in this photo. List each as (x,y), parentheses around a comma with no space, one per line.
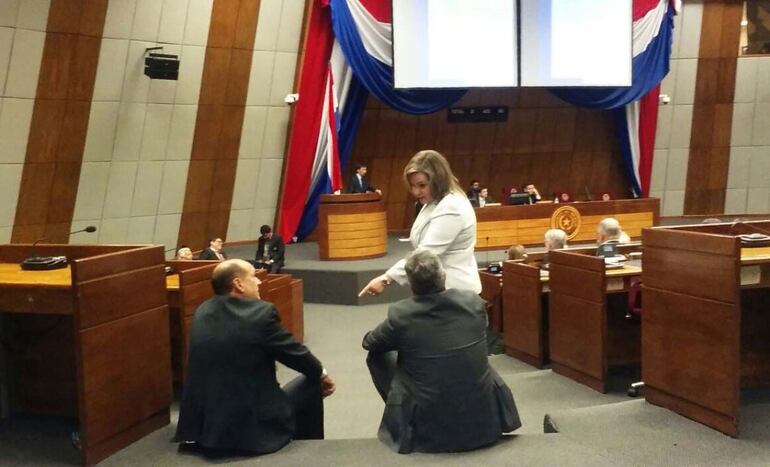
(593,429)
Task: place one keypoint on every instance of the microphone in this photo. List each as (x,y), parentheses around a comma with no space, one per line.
(760,237)
(738,222)
(589,196)
(47,263)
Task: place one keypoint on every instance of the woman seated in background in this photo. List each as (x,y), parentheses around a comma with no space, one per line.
(184,254)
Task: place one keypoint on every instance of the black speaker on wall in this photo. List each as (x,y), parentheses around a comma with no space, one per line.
(162,66)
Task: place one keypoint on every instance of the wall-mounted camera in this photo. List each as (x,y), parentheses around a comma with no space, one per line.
(161,66)
(665,99)
(291,99)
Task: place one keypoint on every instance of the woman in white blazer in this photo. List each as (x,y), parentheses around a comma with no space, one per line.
(446,225)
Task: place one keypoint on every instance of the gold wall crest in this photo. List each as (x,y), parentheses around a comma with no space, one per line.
(567,219)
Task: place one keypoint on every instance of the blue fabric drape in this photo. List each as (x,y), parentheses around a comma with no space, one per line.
(621,133)
(377,77)
(649,69)
(348,126)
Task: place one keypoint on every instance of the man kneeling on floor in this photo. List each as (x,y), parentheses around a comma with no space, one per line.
(232,403)
(428,361)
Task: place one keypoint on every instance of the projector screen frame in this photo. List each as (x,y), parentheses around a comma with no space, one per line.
(584,86)
(517,58)
(518,48)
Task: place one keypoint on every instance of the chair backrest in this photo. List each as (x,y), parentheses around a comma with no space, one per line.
(635,298)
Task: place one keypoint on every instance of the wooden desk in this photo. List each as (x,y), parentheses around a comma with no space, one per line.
(705,326)
(185,291)
(104,356)
(286,293)
(525,313)
(352,226)
(587,328)
(525,304)
(503,226)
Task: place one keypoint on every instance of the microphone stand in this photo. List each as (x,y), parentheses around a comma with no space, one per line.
(47,263)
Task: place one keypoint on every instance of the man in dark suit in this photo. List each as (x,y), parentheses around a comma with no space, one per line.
(270,251)
(359,184)
(473,191)
(214,251)
(232,402)
(429,357)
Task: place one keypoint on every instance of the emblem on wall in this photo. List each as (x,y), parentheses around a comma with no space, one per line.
(567,219)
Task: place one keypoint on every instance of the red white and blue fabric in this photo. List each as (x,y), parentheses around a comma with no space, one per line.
(348,55)
(635,108)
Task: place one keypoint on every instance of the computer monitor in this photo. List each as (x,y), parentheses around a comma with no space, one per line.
(519,198)
(607,250)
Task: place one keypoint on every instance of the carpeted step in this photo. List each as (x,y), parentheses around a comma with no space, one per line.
(532,450)
(643,434)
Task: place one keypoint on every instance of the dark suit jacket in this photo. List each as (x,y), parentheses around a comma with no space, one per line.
(475,201)
(231,398)
(275,249)
(209,254)
(355,187)
(444,395)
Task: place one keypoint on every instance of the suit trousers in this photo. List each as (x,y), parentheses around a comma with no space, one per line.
(382,367)
(305,397)
(272,268)
(307,404)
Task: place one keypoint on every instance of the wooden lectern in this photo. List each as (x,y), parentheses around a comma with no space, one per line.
(352,226)
(89,341)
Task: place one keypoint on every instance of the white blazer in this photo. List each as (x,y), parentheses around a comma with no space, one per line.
(448,229)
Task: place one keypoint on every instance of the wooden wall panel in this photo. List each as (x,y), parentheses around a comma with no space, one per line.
(59,121)
(545,141)
(218,126)
(713,110)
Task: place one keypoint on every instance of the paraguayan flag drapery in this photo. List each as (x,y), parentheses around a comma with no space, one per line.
(348,55)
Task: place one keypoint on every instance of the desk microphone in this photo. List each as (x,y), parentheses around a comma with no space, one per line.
(760,237)
(46,263)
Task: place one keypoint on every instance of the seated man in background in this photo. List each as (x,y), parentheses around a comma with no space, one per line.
(534,195)
(184,254)
(608,232)
(555,239)
(232,403)
(359,184)
(473,191)
(428,362)
(270,251)
(214,251)
(482,200)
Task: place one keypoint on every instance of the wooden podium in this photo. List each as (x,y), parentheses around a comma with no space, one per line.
(89,341)
(352,226)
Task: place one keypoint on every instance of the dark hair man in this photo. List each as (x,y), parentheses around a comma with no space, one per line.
(359,184)
(534,195)
(429,357)
(482,198)
(270,251)
(473,191)
(214,251)
(232,402)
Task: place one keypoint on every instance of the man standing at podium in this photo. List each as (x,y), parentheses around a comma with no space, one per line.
(359,184)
